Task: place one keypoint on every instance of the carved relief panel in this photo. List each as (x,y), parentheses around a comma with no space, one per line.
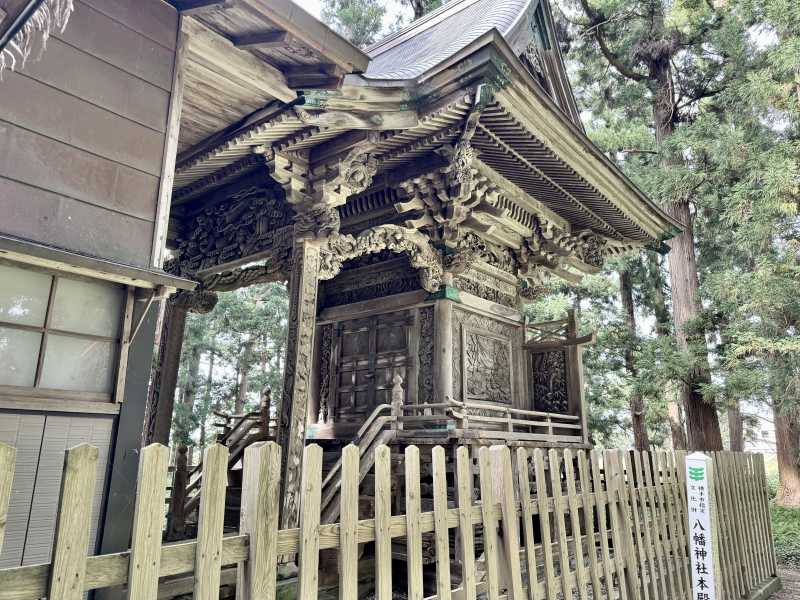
(549,382)
(485,351)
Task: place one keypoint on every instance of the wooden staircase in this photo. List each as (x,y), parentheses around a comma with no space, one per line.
(375,431)
(240,431)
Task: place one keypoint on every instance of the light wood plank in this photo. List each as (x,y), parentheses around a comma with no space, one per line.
(148,521)
(441,533)
(490,550)
(257,577)
(591,527)
(465,528)
(646,567)
(68,568)
(551,582)
(310,499)
(413,533)
(8,461)
(653,522)
(575,522)
(172,134)
(383,515)
(558,520)
(348,544)
(210,522)
(616,527)
(504,493)
(526,504)
(680,560)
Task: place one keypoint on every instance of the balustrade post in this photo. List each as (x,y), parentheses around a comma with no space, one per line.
(398,397)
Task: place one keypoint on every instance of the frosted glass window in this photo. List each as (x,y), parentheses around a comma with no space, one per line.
(23,296)
(78,364)
(87,307)
(19,353)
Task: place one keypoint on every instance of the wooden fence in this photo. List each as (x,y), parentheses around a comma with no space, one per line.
(528,524)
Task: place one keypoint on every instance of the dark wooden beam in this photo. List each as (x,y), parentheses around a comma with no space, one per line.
(16,13)
(193,7)
(264,39)
(313,69)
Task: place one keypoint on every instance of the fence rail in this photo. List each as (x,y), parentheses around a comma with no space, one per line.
(528,524)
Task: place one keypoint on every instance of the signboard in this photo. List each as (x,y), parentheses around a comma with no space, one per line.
(702,547)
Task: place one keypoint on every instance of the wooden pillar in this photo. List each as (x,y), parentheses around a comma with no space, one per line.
(443,350)
(161,399)
(165,377)
(575,374)
(293,411)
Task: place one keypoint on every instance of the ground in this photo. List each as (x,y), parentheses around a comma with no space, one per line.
(791,584)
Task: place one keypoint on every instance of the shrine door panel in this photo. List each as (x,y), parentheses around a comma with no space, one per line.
(371,351)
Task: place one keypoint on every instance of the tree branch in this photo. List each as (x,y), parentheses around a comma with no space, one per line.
(596,30)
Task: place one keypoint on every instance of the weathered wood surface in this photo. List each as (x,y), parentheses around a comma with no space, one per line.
(572,513)
(82,131)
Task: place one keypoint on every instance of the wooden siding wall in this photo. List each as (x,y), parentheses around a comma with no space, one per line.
(41,440)
(82,131)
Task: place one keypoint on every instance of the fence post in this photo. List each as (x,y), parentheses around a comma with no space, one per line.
(257,577)
(413,533)
(148,518)
(383,516)
(210,523)
(68,569)
(441,532)
(702,527)
(348,523)
(504,490)
(310,494)
(464,484)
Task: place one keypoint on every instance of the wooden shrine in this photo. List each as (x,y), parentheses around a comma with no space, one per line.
(414,202)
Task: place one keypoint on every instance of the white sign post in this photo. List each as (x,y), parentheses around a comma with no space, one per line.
(703,548)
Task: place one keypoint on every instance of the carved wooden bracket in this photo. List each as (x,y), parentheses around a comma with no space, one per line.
(415,244)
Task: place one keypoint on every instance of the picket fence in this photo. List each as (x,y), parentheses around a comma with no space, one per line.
(615,529)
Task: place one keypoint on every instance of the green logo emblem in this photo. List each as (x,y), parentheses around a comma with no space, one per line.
(697,473)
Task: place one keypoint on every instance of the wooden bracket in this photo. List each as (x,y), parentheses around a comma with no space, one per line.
(264,39)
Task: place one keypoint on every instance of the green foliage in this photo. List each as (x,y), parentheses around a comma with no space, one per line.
(360,21)
(786,533)
(245,334)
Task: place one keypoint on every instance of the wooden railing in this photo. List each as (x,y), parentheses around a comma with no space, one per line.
(553,525)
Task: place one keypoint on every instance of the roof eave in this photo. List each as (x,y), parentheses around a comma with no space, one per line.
(554,128)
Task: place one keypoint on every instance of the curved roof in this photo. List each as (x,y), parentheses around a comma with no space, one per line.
(434,38)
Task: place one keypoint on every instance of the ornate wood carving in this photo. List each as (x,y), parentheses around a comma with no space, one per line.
(487,367)
(414,244)
(366,280)
(326,346)
(248,222)
(468,325)
(425,356)
(296,381)
(550,392)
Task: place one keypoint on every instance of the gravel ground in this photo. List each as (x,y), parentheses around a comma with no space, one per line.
(791,585)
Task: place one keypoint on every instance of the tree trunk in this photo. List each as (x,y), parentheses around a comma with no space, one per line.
(662,316)
(787,446)
(192,374)
(641,440)
(736,428)
(244,376)
(702,422)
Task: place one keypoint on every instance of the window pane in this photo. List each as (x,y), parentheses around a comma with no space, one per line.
(23,296)
(78,364)
(87,307)
(19,353)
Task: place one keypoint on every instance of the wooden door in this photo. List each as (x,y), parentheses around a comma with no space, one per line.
(370,352)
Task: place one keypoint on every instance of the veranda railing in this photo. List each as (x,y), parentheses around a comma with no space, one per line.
(526,524)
